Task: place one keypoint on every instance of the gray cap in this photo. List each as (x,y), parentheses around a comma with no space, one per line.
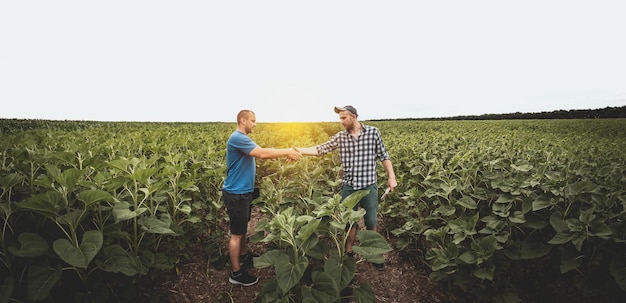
(349,108)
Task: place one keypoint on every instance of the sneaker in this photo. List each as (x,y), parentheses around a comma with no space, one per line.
(247,259)
(379,266)
(242,278)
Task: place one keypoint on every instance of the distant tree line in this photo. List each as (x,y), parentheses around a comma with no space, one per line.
(607,112)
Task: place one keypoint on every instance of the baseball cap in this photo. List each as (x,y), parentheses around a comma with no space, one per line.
(349,108)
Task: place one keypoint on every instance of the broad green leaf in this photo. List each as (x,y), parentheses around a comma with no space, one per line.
(468,257)
(372,246)
(557,222)
(484,248)
(580,188)
(354,198)
(364,294)
(142,175)
(267,259)
(82,255)
(341,270)
(505,198)
(570,260)
(118,260)
(9,181)
(186,209)
(91,196)
(120,164)
(289,274)
(46,204)
(31,245)
(41,280)
(562,238)
(534,247)
(308,229)
(122,212)
(324,288)
(467,202)
(485,272)
(542,202)
(63,157)
(68,178)
(517,218)
(154,225)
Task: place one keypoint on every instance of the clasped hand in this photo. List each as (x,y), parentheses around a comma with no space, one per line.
(294,154)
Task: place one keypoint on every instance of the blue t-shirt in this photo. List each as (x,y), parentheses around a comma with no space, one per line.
(241,168)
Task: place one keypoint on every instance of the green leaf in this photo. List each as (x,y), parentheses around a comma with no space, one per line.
(122,212)
(45,204)
(562,238)
(468,257)
(518,218)
(484,248)
(467,202)
(542,202)
(364,294)
(153,225)
(91,196)
(9,181)
(119,164)
(308,229)
(68,178)
(354,198)
(484,272)
(31,245)
(371,244)
(82,255)
(505,198)
(324,288)
(570,260)
(41,280)
(579,188)
(289,274)
(534,247)
(143,175)
(118,260)
(341,270)
(557,222)
(268,259)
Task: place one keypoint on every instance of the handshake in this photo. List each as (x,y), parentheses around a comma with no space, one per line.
(294,154)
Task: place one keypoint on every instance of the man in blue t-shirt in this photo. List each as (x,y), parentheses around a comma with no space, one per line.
(238,190)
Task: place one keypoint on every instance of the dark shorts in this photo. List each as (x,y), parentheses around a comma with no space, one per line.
(369,203)
(239,210)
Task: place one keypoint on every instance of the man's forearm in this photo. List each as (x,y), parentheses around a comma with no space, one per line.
(310,151)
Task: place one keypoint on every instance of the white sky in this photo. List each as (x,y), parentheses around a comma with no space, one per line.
(294,60)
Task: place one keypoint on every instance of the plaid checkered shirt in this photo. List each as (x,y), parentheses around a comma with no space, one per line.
(358,155)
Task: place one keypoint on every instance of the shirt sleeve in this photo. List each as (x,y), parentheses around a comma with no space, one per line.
(381,151)
(330,145)
(244,144)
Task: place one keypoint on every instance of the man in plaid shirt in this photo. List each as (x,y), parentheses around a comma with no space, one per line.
(360,148)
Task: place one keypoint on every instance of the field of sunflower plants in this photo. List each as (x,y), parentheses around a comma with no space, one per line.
(91,210)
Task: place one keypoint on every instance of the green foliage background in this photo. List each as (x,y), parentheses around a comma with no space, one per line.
(487,205)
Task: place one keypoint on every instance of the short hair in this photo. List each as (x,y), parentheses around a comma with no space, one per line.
(243,114)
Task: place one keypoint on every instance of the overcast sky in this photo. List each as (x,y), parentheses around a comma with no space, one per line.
(294,60)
